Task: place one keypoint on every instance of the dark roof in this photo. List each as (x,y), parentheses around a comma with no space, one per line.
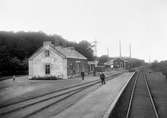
(110,62)
(70,52)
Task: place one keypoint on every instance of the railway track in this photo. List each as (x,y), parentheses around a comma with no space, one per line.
(5,78)
(43,101)
(141,104)
(8,77)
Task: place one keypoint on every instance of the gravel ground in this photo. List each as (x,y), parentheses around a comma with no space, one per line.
(158,84)
(22,88)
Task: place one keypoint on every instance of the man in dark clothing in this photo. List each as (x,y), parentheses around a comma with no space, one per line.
(94,72)
(102,77)
(82,75)
(14,77)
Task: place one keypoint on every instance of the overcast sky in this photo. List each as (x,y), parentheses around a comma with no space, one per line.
(143,23)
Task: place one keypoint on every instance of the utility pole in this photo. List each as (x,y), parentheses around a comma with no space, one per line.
(108,52)
(95,51)
(120,53)
(149,59)
(95,43)
(94,47)
(130,51)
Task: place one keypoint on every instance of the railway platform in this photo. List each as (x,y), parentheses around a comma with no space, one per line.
(99,103)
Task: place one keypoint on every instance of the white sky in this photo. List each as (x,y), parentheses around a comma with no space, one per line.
(143,23)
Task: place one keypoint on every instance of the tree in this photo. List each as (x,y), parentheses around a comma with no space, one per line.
(84,48)
(16,48)
(103,59)
(160,67)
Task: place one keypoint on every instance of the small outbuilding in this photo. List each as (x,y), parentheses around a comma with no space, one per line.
(109,64)
(116,63)
(56,61)
(92,65)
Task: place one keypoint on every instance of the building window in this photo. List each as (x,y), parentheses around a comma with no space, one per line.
(47,53)
(47,69)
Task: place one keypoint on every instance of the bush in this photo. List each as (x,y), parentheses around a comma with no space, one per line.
(46,78)
(160,67)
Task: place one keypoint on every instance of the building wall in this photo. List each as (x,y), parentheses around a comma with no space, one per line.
(92,65)
(76,66)
(64,64)
(30,68)
(118,63)
(58,65)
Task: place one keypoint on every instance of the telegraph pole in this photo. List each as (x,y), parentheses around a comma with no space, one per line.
(95,51)
(95,43)
(94,47)
(149,59)
(130,51)
(120,53)
(108,52)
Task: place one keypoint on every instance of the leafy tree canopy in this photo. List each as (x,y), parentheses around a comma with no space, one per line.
(16,48)
(160,67)
(102,59)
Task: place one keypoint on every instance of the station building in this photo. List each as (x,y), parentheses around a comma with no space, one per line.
(57,61)
(117,63)
(92,65)
(109,64)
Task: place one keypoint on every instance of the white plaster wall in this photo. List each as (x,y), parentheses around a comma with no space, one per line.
(57,62)
(30,68)
(65,69)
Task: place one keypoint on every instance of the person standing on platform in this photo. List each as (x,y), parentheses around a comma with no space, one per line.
(82,75)
(14,77)
(102,77)
(94,72)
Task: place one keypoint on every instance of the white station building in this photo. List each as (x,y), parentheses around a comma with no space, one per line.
(61,62)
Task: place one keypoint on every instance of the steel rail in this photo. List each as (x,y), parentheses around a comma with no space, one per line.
(52,92)
(45,94)
(150,96)
(149,92)
(46,99)
(68,93)
(132,95)
(66,97)
(54,103)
